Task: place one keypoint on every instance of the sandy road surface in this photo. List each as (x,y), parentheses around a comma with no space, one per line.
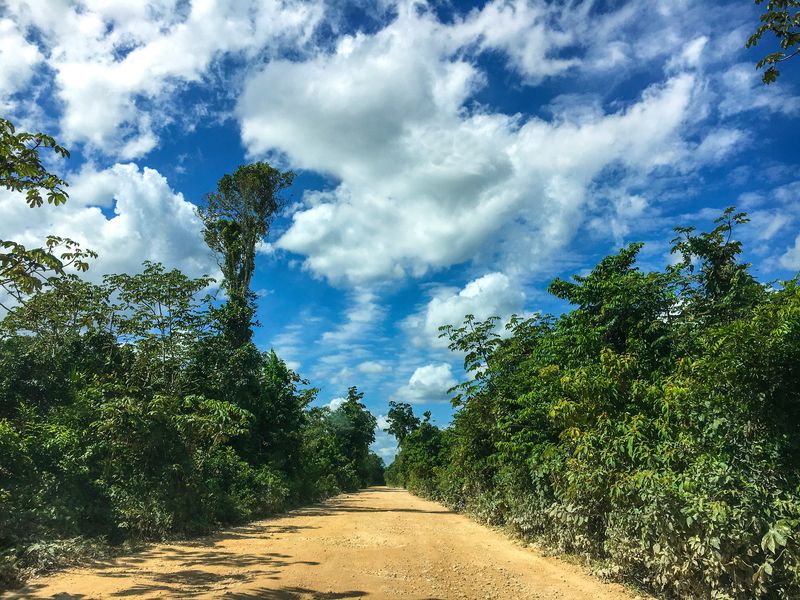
(378,543)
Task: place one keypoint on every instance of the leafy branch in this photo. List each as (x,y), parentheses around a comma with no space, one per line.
(785,25)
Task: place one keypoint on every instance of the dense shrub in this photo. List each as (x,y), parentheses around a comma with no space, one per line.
(654,428)
(133,410)
(112,430)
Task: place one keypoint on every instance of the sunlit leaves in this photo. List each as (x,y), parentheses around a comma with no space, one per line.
(24,271)
(21,168)
(656,426)
(782,19)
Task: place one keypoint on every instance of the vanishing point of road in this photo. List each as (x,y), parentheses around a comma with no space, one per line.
(377,543)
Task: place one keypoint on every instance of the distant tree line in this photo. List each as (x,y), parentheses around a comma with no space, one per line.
(139,408)
(654,428)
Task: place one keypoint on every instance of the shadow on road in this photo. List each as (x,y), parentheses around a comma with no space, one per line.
(187,578)
(204,566)
(349,503)
(328,510)
(293,593)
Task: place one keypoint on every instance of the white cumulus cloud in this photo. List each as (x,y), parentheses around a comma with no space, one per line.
(427,179)
(336,403)
(117,65)
(18,58)
(791,258)
(361,317)
(374,367)
(385,444)
(494,294)
(144,219)
(427,385)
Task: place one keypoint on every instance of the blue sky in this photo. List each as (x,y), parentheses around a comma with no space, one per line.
(452,157)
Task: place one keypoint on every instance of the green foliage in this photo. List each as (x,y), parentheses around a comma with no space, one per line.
(126,415)
(654,428)
(401,420)
(476,340)
(21,168)
(336,448)
(354,427)
(236,218)
(374,469)
(136,409)
(157,312)
(24,271)
(782,19)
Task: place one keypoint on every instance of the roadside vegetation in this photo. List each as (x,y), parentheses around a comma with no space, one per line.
(655,427)
(139,408)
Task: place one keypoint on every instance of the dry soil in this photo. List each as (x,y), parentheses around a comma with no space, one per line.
(378,543)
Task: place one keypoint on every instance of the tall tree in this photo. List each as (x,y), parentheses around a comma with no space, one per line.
(356,431)
(402,420)
(236,217)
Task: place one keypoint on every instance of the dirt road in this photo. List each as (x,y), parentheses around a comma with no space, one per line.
(379,543)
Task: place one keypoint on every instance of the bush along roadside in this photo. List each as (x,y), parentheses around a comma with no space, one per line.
(654,428)
(139,408)
(93,466)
